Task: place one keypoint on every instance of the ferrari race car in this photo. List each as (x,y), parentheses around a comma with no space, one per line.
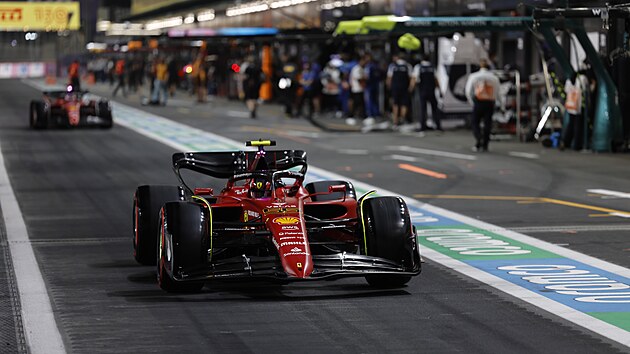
(70,109)
(266,224)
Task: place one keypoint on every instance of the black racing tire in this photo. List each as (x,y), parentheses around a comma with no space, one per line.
(183,244)
(322,186)
(147,202)
(388,234)
(38,118)
(105,112)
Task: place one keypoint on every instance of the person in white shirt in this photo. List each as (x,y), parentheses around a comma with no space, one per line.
(573,134)
(358,80)
(482,90)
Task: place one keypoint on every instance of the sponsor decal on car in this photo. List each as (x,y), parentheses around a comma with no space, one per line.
(275,205)
(290,227)
(301,237)
(292,243)
(295,254)
(280,210)
(286,220)
(290,233)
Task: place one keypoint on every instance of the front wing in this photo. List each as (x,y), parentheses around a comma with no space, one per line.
(324,267)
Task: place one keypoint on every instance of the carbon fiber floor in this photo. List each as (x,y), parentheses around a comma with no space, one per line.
(11,330)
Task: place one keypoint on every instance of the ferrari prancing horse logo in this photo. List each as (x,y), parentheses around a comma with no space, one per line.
(286,220)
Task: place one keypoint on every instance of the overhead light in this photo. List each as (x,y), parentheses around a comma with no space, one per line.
(190,18)
(164,23)
(207,15)
(102,26)
(247,9)
(285,3)
(96,46)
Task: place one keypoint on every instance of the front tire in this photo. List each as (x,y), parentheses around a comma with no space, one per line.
(389,234)
(183,244)
(38,118)
(147,202)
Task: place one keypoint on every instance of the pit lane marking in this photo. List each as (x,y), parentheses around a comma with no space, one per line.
(518,199)
(525,155)
(437,153)
(609,193)
(422,171)
(40,329)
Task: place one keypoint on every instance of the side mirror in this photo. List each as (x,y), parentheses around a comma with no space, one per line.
(203,191)
(337,188)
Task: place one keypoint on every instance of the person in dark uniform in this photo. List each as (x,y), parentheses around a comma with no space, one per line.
(253,78)
(288,84)
(426,82)
(398,81)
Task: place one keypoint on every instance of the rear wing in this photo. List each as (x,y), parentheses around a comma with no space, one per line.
(226,164)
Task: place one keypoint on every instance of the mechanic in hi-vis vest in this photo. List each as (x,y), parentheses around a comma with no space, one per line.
(482,91)
(426,82)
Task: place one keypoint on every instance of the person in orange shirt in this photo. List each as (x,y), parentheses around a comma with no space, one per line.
(200,77)
(159,95)
(73,76)
(120,71)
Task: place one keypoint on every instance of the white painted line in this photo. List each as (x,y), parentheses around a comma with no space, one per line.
(237,114)
(525,155)
(302,134)
(621,215)
(401,158)
(40,328)
(439,153)
(610,193)
(353,151)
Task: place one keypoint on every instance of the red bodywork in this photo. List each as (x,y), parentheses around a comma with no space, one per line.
(70,106)
(284,217)
(265,223)
(282,212)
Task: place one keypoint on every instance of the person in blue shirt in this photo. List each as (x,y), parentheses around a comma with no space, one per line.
(374,79)
(309,79)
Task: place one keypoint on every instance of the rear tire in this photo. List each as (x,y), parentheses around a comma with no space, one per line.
(389,235)
(38,118)
(105,113)
(183,244)
(322,186)
(147,202)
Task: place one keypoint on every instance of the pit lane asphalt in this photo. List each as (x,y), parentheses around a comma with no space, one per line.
(74,188)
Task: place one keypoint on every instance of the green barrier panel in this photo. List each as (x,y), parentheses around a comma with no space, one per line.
(607,126)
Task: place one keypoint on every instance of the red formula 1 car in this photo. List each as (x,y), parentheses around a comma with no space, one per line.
(70,109)
(266,224)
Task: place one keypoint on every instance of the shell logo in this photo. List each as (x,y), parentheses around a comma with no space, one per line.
(286,220)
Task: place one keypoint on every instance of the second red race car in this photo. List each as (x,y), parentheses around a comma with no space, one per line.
(266,224)
(70,109)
